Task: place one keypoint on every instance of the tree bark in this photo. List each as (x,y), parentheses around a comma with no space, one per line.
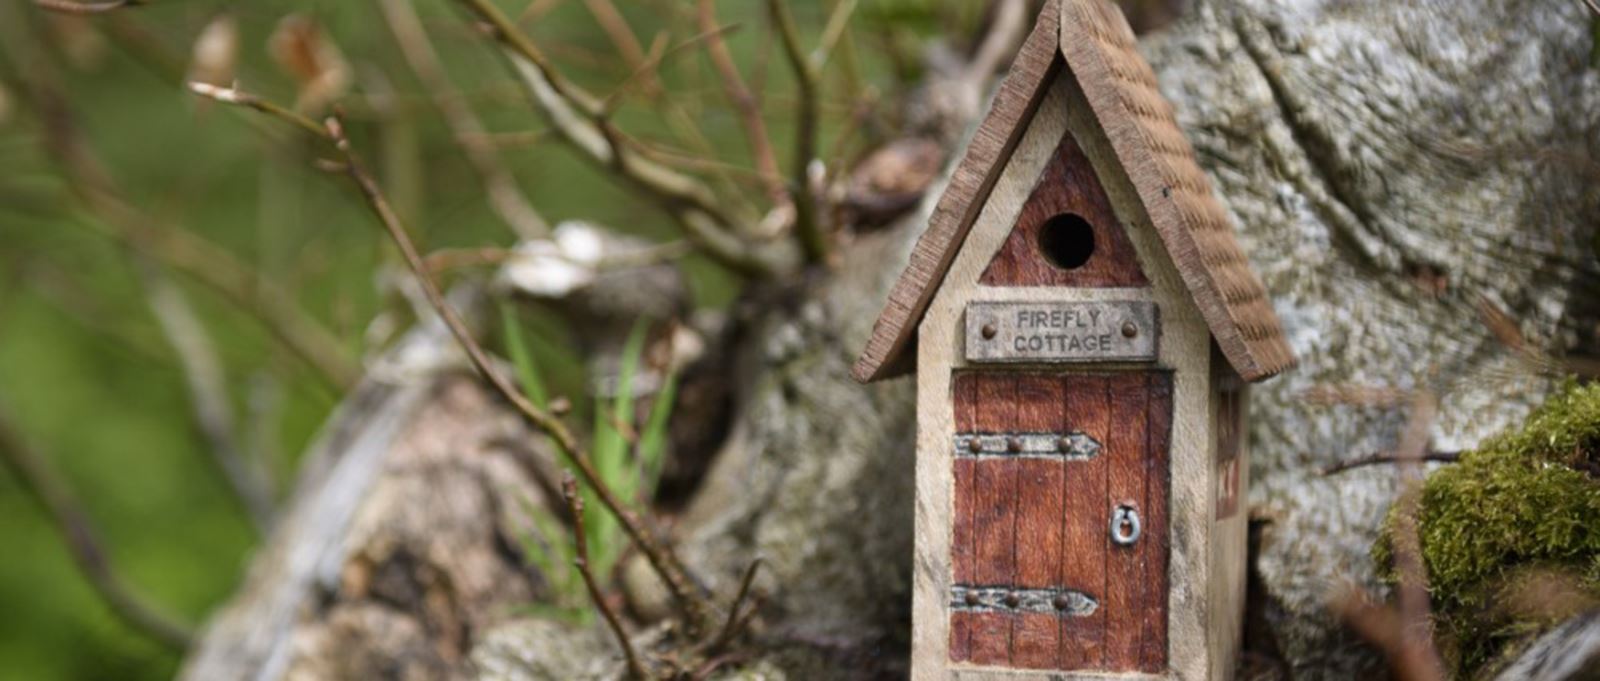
(1391,167)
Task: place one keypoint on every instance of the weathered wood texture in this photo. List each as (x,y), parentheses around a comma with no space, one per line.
(1197,231)
(1042,523)
(1069,186)
(1101,57)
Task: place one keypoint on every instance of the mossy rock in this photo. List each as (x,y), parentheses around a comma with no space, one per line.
(1511,534)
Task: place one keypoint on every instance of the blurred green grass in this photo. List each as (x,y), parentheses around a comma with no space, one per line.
(84,366)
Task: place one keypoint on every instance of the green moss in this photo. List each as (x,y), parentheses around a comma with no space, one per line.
(1522,504)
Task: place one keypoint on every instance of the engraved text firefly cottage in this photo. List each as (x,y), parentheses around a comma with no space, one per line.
(1082,323)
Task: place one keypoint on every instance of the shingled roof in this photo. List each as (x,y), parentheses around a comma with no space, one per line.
(1097,49)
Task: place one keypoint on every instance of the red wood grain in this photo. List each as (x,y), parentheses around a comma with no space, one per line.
(1069,185)
(994,515)
(1087,410)
(1158,481)
(1036,522)
(963,386)
(1126,576)
(1036,637)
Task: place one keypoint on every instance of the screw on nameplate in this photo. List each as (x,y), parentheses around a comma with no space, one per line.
(1058,332)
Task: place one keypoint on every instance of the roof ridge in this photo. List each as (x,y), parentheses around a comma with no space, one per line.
(1094,43)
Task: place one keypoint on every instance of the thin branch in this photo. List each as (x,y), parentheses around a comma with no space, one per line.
(616,28)
(444,260)
(569,489)
(511,140)
(1000,45)
(736,620)
(579,118)
(1384,628)
(209,264)
(1415,613)
(813,236)
(85,8)
(1389,457)
(744,103)
(1357,395)
(660,556)
(469,132)
(232,96)
(1593,7)
(1506,330)
(838,23)
(208,396)
(46,488)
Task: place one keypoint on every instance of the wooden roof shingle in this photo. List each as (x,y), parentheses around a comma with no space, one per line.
(1097,48)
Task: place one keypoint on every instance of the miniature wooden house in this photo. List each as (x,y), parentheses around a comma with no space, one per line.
(1082,323)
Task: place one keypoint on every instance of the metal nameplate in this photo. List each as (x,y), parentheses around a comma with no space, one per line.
(1044,332)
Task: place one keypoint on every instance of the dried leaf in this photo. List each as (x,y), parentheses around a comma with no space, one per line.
(1501,325)
(304,51)
(216,53)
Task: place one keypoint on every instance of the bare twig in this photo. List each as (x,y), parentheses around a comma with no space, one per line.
(744,103)
(1593,6)
(616,28)
(85,8)
(838,23)
(180,249)
(456,258)
(813,236)
(1420,657)
(1351,394)
(579,118)
(736,620)
(659,555)
(232,96)
(208,397)
(43,485)
(1389,457)
(509,140)
(1384,628)
(470,134)
(1010,27)
(569,489)
(1505,329)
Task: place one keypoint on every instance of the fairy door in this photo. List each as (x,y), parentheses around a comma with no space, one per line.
(1060,543)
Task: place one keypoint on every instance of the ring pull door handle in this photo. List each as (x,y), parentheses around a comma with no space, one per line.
(1125,525)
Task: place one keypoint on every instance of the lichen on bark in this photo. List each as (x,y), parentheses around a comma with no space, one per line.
(1508,533)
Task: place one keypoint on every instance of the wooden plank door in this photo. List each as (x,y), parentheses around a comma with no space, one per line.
(1044,464)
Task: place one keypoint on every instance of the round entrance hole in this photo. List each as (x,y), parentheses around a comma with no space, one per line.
(1067,241)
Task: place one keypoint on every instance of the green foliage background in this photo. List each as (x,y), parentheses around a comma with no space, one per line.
(84,367)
